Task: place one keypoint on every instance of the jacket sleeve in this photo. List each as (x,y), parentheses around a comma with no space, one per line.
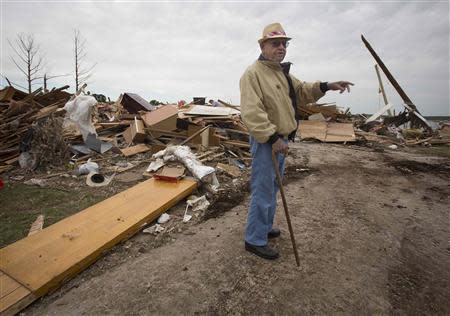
(253,112)
(307,92)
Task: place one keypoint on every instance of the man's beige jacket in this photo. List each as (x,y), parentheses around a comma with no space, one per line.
(266,107)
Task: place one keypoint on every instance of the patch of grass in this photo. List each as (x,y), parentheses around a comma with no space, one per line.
(20,205)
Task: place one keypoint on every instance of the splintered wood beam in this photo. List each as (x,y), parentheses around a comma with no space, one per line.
(394,83)
(388,74)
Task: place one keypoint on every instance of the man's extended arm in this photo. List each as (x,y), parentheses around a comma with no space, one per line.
(311,92)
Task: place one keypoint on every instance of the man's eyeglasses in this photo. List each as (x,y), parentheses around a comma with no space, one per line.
(277,43)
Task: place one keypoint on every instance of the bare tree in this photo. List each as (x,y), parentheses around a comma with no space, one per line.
(27,59)
(12,84)
(82,74)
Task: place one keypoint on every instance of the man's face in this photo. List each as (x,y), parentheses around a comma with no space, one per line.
(274,49)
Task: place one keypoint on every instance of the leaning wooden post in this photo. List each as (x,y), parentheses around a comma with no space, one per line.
(410,105)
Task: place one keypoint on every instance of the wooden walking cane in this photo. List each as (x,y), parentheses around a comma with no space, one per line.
(286,212)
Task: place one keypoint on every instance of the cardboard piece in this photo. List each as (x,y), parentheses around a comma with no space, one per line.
(207,138)
(163,118)
(171,174)
(135,133)
(316,117)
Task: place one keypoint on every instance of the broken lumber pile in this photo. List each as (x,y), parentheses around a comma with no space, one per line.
(408,128)
(18,113)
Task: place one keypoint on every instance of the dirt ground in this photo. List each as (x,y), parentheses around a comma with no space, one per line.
(372,230)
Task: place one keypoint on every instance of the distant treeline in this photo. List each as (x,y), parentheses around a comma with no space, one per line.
(438,118)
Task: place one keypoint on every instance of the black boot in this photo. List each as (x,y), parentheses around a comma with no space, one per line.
(262,251)
(274,233)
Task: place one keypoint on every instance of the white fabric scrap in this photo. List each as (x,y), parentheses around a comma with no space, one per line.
(155,165)
(88,167)
(198,203)
(154,229)
(184,154)
(164,218)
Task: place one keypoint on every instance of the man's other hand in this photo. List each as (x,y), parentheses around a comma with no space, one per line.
(280,147)
(340,85)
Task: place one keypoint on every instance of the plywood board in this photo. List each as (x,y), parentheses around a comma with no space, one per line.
(41,262)
(313,129)
(133,150)
(327,131)
(164,118)
(340,132)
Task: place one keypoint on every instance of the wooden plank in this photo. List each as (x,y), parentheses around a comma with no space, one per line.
(43,261)
(5,168)
(7,285)
(236,143)
(229,169)
(37,225)
(12,160)
(133,150)
(13,296)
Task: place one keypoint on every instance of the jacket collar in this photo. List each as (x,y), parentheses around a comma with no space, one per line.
(286,67)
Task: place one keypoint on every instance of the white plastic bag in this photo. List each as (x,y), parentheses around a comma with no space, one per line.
(79,112)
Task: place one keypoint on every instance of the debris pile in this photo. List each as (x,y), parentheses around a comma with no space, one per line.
(19,114)
(172,138)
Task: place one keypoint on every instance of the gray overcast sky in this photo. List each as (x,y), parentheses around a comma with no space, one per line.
(176,50)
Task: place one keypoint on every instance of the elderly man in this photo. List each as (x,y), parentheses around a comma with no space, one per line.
(270,101)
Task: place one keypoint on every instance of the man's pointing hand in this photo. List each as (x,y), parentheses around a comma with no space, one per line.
(340,85)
